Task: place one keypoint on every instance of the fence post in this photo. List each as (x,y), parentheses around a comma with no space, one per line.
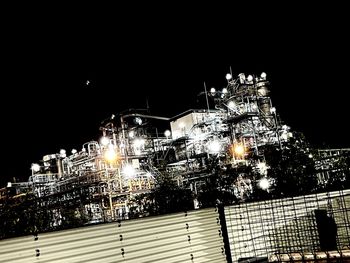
(224,232)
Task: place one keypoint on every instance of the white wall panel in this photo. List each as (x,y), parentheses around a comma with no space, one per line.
(194,236)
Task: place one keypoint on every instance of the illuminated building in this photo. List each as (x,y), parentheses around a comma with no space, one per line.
(103,177)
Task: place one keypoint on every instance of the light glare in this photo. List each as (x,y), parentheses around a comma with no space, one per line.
(231,104)
(214,146)
(238,149)
(139,143)
(128,170)
(110,155)
(167,133)
(264,183)
(35,167)
(104,141)
(62,153)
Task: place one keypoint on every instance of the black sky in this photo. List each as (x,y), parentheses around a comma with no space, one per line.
(46,104)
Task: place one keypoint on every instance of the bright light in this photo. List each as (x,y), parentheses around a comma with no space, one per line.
(224,91)
(104,141)
(264,183)
(263,75)
(250,78)
(212,90)
(241,78)
(284,136)
(63,153)
(231,104)
(238,149)
(310,155)
(139,143)
(214,147)
(74,151)
(273,110)
(285,127)
(128,170)
(262,168)
(262,165)
(111,155)
(35,167)
(138,120)
(149,175)
(167,133)
(228,76)
(131,134)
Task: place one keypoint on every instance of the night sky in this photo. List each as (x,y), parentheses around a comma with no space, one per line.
(47,105)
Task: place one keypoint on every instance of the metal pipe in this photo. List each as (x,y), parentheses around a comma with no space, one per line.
(110,200)
(145,116)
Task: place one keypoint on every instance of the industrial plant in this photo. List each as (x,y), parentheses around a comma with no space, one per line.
(106,180)
(225,183)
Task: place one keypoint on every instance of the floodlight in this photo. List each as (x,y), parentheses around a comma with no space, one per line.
(264,183)
(35,167)
(167,133)
(104,141)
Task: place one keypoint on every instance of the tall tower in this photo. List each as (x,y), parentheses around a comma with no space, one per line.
(250,115)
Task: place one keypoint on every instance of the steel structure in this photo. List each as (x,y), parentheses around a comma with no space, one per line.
(331,162)
(235,133)
(251,116)
(105,175)
(102,181)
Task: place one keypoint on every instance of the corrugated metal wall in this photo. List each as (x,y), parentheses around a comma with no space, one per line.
(194,236)
(260,229)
